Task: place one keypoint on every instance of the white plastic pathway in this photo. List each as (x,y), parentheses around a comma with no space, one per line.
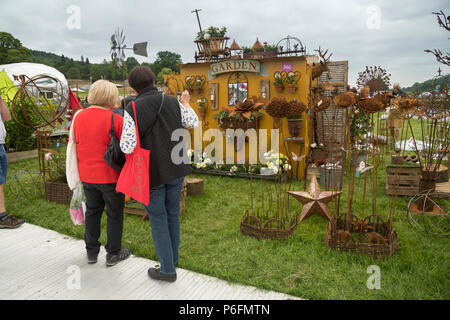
(41,264)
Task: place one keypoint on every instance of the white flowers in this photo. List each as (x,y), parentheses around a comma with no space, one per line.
(314,145)
(233,169)
(199,101)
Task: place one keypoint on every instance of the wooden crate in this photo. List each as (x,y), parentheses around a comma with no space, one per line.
(402,180)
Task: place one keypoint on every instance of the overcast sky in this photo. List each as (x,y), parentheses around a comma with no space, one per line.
(392,34)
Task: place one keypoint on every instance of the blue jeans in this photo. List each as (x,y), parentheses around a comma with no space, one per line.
(3,164)
(163,213)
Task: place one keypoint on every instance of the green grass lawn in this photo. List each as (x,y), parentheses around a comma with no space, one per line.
(303,266)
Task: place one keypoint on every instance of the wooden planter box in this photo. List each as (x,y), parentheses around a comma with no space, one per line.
(58,192)
(402,180)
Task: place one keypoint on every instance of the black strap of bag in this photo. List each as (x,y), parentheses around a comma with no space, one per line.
(157,116)
(114,157)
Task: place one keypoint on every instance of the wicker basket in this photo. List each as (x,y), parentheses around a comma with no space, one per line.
(58,192)
(268,228)
(374,250)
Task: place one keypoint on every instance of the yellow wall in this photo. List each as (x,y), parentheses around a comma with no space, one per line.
(266,122)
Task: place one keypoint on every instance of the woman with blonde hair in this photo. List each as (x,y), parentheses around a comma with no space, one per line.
(91,131)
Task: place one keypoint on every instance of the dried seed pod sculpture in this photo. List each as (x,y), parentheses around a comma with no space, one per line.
(248,106)
(345,99)
(376,78)
(277,107)
(370,234)
(433,139)
(320,103)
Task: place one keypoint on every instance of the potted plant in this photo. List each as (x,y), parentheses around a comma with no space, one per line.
(202,108)
(278,83)
(198,86)
(291,81)
(189,84)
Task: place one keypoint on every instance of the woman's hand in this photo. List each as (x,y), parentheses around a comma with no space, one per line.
(185,98)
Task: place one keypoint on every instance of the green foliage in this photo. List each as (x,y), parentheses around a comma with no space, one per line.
(162,73)
(213,32)
(426,85)
(19,137)
(166,59)
(11,50)
(302,266)
(131,63)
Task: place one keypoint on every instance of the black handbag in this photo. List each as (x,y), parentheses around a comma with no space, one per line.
(114,157)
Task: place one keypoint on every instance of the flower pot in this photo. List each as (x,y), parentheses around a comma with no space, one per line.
(279,89)
(202,112)
(292,88)
(295,127)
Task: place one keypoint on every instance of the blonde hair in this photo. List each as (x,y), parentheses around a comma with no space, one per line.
(103,93)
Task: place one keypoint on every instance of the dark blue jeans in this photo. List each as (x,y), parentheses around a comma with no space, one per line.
(163,213)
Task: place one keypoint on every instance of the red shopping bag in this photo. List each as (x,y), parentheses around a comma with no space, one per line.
(134,179)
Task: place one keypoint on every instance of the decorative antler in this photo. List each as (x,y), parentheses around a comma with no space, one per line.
(323,55)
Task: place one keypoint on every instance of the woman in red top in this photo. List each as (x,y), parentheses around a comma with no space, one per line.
(91,131)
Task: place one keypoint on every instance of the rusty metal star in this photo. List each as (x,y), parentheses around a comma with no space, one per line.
(314,200)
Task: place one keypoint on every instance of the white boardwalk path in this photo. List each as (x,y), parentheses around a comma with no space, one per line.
(41,264)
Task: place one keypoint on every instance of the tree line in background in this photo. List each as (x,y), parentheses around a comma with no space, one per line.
(12,51)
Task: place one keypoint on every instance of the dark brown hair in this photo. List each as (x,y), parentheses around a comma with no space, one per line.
(141,77)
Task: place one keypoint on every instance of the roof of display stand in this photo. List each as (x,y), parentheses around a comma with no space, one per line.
(31,70)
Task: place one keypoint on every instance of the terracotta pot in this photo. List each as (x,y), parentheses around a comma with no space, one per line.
(202,112)
(295,127)
(292,88)
(279,89)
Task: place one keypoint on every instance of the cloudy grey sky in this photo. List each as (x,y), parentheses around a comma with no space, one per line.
(392,33)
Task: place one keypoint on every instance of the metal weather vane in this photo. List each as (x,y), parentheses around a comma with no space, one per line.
(118,48)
